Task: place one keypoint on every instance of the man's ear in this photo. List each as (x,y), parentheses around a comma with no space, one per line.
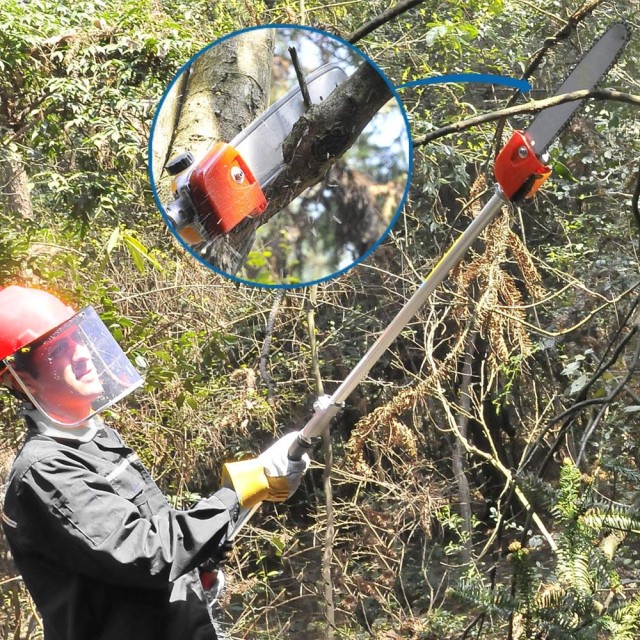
(27,380)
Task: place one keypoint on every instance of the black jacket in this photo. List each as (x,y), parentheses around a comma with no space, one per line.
(101,551)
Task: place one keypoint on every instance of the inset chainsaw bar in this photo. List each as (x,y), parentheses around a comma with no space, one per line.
(224,187)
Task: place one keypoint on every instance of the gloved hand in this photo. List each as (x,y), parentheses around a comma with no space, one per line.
(284,475)
(270,476)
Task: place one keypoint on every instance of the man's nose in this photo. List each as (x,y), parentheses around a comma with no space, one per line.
(80,352)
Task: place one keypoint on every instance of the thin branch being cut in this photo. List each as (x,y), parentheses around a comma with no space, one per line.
(531,107)
(324,134)
(304,90)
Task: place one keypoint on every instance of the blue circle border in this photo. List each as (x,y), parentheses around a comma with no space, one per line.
(335,274)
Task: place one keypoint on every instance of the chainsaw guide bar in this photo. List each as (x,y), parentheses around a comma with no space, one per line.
(590,69)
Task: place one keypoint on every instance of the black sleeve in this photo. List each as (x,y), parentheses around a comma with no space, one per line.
(82,520)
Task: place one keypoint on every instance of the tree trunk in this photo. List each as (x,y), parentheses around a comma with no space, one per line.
(217,97)
(15,185)
(228,86)
(168,119)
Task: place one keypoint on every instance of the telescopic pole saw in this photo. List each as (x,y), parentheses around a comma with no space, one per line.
(520,169)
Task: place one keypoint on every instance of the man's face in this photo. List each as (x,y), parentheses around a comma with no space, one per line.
(67,380)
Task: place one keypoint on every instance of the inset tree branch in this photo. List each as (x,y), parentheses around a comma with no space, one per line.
(324,134)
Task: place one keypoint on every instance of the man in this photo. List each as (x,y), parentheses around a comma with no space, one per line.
(100,550)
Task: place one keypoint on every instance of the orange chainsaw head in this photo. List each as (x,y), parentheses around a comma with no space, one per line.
(224,191)
(518,170)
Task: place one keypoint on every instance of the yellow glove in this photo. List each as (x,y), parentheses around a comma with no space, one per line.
(271,476)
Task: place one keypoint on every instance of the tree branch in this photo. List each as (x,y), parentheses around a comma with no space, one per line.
(531,107)
(382,18)
(324,134)
(605,404)
(509,476)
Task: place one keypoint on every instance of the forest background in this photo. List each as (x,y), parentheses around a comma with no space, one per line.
(482,483)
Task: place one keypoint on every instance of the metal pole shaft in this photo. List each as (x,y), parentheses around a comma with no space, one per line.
(321,419)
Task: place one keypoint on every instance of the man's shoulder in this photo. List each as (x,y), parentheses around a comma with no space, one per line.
(36,449)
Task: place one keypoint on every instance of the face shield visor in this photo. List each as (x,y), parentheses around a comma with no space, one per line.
(74,372)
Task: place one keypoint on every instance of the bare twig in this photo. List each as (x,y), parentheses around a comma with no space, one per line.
(300,76)
(383,18)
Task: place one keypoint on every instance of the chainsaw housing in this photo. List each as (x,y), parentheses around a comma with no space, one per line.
(518,170)
(224,191)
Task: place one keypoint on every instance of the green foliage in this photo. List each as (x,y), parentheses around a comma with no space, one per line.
(582,597)
(79,85)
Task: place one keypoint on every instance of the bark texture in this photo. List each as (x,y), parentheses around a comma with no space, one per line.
(325,133)
(168,119)
(15,187)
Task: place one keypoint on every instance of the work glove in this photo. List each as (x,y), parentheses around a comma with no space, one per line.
(269,477)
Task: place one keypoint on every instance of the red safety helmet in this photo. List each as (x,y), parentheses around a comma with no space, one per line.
(26,315)
(66,363)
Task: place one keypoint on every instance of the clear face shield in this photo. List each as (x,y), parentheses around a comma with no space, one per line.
(74,372)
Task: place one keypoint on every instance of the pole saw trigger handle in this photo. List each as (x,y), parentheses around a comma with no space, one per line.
(518,170)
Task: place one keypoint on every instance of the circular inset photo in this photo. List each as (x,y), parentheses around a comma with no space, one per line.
(280,156)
